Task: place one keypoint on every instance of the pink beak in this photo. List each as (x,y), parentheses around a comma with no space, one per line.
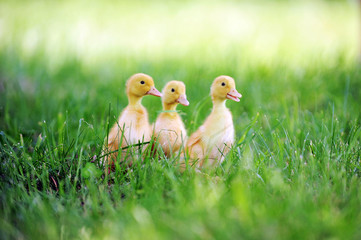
(153,91)
(183,100)
(234,95)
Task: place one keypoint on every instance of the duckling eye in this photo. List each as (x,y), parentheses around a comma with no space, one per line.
(172,90)
(142,82)
(223,84)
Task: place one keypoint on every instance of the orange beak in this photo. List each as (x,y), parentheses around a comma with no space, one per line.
(153,91)
(234,95)
(183,100)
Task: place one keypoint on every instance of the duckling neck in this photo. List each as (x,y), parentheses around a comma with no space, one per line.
(134,101)
(170,107)
(219,105)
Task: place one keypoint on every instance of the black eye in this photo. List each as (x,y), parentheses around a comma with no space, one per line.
(142,82)
(172,90)
(223,84)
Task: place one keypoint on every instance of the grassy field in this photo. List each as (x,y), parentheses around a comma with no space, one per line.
(294,172)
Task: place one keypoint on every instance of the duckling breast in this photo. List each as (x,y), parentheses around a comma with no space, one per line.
(170,132)
(136,126)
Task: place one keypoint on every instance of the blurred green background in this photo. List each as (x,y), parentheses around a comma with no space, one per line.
(294,172)
(77,52)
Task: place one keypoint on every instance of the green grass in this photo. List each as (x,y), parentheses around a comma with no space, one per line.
(294,172)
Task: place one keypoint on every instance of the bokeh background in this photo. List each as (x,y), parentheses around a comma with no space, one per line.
(74,53)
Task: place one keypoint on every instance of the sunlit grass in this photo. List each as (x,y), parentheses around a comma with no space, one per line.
(294,172)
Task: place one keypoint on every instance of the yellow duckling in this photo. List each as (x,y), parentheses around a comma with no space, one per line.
(214,138)
(169,128)
(133,124)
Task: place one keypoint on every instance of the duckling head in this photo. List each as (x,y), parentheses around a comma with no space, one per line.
(174,92)
(223,88)
(141,84)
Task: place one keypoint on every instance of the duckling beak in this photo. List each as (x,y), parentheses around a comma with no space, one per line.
(153,91)
(183,100)
(234,95)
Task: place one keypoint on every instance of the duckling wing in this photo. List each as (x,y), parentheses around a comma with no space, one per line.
(196,147)
(194,139)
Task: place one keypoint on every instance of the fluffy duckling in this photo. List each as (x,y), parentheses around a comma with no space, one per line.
(214,138)
(133,124)
(169,128)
